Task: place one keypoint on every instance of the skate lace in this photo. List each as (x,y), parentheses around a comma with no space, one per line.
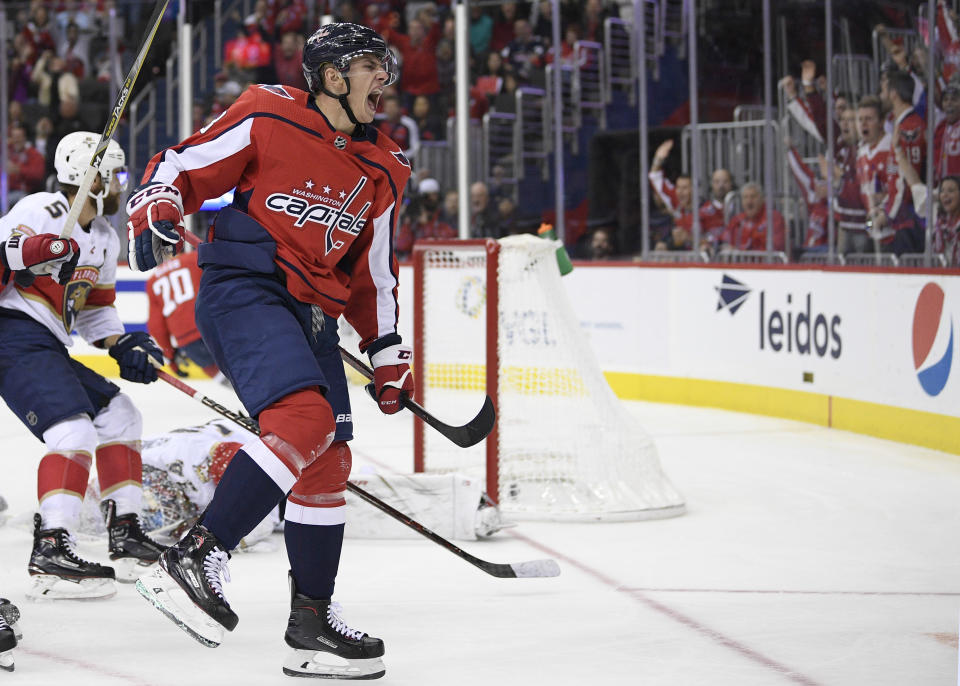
(3,623)
(215,566)
(340,626)
(69,543)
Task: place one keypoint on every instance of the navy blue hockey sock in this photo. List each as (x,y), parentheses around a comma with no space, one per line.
(244,496)
(314,554)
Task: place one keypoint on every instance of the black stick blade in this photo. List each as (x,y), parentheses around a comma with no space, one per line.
(470,433)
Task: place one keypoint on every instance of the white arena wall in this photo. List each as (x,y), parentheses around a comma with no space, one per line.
(866,350)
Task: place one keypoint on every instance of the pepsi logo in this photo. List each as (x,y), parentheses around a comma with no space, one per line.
(932,340)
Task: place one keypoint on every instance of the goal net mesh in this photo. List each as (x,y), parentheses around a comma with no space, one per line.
(566,447)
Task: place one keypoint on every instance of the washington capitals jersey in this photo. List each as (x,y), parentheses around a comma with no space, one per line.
(171,295)
(86,303)
(329,201)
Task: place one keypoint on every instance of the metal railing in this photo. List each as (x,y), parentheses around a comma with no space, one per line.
(751,257)
(588,80)
(531,141)
(138,121)
(571,113)
(908,37)
(735,146)
(619,58)
(855,74)
(499,132)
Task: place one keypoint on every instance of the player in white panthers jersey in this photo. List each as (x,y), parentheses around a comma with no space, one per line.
(78,414)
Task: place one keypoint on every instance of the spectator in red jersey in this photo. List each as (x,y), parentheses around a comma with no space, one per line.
(946,139)
(246,54)
(288,61)
(946,233)
(911,125)
(39,30)
(171,296)
(892,216)
(401,129)
(422,219)
(814,194)
(748,230)
(873,169)
(75,51)
(288,17)
(418,48)
(25,166)
(502,32)
(678,201)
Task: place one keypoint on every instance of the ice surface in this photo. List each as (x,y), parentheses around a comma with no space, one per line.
(807,556)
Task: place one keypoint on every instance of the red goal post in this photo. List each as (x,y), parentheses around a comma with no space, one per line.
(493,317)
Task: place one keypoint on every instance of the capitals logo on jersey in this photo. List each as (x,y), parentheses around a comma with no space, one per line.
(329,212)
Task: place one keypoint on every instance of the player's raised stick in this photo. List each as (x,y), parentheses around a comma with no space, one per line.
(464,436)
(533,568)
(118,107)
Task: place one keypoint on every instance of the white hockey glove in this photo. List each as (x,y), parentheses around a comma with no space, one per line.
(155,229)
(392,378)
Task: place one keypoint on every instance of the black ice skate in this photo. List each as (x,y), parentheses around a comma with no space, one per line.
(11,615)
(58,572)
(8,636)
(188,586)
(131,550)
(324,646)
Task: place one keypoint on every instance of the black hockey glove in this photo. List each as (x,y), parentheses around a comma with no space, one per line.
(133,351)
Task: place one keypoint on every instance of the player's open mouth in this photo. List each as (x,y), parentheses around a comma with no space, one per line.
(374,99)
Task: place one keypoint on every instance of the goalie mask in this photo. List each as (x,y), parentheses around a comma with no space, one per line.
(337,44)
(73,156)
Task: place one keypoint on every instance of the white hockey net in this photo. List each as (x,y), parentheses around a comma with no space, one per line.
(565,447)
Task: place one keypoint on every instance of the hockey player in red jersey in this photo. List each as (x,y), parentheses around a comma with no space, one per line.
(78,415)
(309,237)
(171,296)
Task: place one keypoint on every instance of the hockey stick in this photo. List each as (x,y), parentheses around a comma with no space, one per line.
(118,107)
(464,436)
(532,568)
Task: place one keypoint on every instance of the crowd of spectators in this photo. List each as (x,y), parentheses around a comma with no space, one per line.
(59,74)
(58,81)
(881,189)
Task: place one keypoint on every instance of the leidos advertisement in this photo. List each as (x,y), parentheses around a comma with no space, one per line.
(880,337)
(885,338)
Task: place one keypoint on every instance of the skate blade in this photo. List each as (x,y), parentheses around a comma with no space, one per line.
(129,569)
(320,665)
(165,594)
(48,587)
(6,661)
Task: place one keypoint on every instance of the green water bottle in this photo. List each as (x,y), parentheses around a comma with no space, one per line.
(563,259)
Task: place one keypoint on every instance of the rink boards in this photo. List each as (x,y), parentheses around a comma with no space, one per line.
(867,350)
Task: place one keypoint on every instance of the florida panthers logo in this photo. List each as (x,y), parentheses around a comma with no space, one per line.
(325,213)
(75,294)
